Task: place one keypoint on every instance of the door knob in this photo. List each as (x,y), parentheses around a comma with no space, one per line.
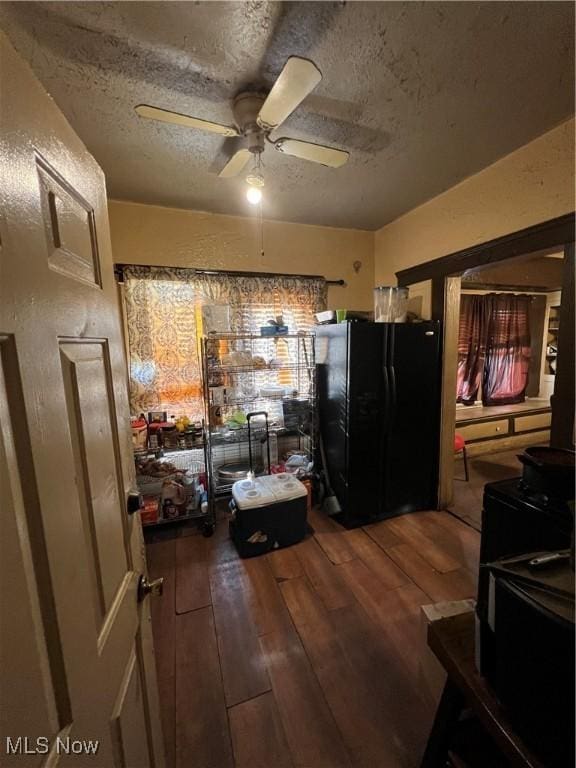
(145,587)
(134,502)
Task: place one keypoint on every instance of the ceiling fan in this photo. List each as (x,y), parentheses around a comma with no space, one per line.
(257,114)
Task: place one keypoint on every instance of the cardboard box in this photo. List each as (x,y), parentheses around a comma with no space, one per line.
(139,436)
(149,512)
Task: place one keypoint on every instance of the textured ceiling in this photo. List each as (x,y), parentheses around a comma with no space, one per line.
(421,94)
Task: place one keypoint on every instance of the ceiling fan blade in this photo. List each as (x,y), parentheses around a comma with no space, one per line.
(316,153)
(165,116)
(235,164)
(298,78)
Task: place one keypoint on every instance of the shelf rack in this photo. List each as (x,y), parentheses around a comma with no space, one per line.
(191,460)
(234,387)
(552,339)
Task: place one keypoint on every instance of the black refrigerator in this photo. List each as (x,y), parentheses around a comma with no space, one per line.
(379,411)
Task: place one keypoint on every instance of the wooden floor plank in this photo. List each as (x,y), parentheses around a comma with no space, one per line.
(323,576)
(396,610)
(243,668)
(161,558)
(427,547)
(405,714)
(192,586)
(321,522)
(342,687)
(376,559)
(458,539)
(267,608)
(258,736)
(467,539)
(357,711)
(285,564)
(311,733)
(486,468)
(335,546)
(461,584)
(382,535)
(455,585)
(202,733)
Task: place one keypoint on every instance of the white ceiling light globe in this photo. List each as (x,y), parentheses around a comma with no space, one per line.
(253,195)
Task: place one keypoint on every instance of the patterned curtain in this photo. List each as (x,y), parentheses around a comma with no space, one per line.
(471,347)
(164,320)
(507,349)
(493,348)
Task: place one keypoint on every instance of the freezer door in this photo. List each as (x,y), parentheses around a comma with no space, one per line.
(411,467)
(368,403)
(332,350)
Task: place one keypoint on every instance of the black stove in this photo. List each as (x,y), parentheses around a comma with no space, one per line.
(515,521)
(517,489)
(523,650)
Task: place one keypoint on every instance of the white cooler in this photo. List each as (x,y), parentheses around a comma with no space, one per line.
(268,512)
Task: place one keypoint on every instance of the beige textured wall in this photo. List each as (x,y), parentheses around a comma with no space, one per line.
(531,185)
(147,234)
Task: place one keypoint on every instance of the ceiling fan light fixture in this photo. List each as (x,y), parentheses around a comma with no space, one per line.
(256,115)
(254,195)
(255,180)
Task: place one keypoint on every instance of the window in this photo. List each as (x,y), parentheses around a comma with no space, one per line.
(163,309)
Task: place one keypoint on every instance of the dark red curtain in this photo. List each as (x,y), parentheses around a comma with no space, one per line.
(507,349)
(493,348)
(472,334)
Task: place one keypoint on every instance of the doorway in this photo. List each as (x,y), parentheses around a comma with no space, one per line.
(435,289)
(506,359)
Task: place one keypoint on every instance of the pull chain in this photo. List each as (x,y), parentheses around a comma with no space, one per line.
(261,222)
(260,212)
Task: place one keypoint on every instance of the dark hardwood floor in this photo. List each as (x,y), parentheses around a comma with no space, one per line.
(486,468)
(308,657)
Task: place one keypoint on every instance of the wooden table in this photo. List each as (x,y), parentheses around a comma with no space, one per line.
(452,641)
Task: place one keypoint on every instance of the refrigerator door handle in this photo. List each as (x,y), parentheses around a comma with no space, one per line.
(383,437)
(392,392)
(390,396)
(386,391)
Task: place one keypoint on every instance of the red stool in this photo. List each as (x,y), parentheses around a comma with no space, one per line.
(460,445)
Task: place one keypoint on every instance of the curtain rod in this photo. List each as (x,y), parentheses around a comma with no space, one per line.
(119,272)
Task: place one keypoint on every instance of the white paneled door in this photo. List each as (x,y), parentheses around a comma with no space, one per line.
(77,676)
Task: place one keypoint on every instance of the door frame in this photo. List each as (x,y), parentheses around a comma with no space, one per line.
(445,275)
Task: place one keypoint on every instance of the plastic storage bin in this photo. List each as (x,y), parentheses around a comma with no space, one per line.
(390,304)
(268,513)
